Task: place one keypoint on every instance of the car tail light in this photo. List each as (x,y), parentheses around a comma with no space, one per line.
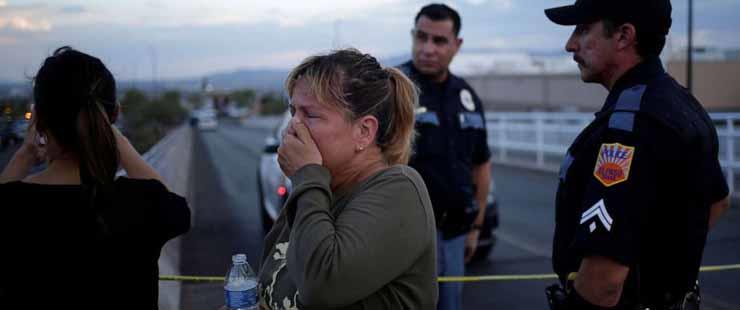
(282,190)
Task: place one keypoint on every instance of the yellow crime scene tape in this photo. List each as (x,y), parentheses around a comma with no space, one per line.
(513,277)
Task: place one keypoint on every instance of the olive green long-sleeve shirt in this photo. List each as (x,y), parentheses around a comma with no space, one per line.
(372,247)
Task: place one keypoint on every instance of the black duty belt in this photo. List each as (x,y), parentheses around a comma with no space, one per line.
(556,298)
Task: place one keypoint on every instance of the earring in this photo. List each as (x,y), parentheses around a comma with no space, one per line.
(360,149)
(41,139)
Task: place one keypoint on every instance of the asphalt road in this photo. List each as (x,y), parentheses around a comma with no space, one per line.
(6,154)
(525,244)
(226,214)
(226,218)
(227,221)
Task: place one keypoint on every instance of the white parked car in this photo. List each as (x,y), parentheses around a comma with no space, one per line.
(204,119)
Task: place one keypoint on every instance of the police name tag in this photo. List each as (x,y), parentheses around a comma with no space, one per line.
(613,164)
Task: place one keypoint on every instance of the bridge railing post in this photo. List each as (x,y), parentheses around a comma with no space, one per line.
(503,143)
(540,139)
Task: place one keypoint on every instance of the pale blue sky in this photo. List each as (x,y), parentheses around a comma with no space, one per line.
(189,38)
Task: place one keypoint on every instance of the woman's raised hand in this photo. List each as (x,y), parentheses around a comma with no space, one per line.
(297,149)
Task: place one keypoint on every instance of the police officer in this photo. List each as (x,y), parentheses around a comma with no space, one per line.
(641,184)
(452,153)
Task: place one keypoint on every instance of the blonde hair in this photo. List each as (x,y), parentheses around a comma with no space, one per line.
(356,84)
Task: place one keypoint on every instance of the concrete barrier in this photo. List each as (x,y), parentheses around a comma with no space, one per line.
(172,157)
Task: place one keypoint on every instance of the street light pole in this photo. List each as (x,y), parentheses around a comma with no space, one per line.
(690,49)
(155,77)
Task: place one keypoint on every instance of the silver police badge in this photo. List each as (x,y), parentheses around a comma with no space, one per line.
(466,98)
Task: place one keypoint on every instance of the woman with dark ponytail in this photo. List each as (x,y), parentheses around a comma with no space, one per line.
(74,235)
(357,231)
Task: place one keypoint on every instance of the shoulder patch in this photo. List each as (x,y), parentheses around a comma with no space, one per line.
(613,164)
(466,98)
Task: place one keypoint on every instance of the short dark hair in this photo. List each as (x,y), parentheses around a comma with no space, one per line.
(649,43)
(441,12)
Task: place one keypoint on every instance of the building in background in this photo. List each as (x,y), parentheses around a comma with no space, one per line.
(716,77)
(550,83)
(560,92)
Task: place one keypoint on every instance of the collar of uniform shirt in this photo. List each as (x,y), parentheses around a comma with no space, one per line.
(419,77)
(639,74)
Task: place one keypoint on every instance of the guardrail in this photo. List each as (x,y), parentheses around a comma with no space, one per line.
(540,139)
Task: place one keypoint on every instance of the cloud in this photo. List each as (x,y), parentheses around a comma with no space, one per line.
(251,12)
(281,59)
(499,5)
(156,4)
(73,9)
(520,42)
(7,40)
(713,4)
(25,18)
(505,5)
(26,24)
(196,37)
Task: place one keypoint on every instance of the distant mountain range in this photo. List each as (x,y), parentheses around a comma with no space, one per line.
(14,89)
(264,80)
(482,59)
(259,79)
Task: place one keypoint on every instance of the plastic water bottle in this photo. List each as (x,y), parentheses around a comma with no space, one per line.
(241,285)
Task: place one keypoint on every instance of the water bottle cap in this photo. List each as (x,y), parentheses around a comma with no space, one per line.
(239,258)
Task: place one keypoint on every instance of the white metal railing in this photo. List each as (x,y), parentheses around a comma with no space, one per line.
(541,139)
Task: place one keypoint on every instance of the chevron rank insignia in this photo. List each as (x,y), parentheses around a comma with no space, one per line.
(613,163)
(597,212)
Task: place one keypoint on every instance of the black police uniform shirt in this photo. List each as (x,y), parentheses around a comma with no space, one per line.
(637,185)
(452,139)
(54,253)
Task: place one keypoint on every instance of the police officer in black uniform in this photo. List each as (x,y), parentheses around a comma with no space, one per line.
(641,184)
(451,153)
